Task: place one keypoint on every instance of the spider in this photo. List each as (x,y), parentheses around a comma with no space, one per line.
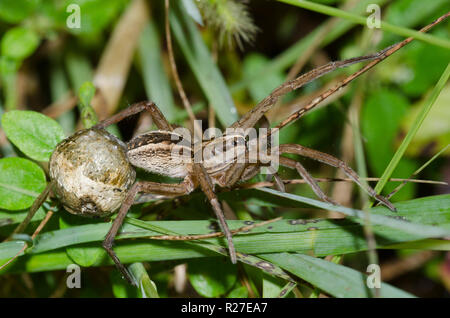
(166,153)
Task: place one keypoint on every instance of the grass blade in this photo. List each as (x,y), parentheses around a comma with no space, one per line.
(408,227)
(363,21)
(412,132)
(202,65)
(337,280)
(156,83)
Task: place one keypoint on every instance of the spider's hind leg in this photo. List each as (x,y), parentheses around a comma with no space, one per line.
(334,162)
(291,163)
(168,189)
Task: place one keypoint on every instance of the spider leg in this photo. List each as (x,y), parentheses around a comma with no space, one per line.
(255,114)
(207,187)
(291,163)
(158,117)
(334,162)
(278,182)
(34,207)
(252,117)
(142,186)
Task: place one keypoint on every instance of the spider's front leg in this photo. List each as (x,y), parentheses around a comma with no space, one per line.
(207,187)
(167,189)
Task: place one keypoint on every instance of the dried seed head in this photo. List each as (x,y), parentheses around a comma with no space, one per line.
(231,19)
(92,173)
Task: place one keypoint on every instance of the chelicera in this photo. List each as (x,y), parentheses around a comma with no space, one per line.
(163,152)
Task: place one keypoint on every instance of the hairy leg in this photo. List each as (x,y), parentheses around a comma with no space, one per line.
(207,187)
(335,162)
(291,163)
(158,117)
(142,186)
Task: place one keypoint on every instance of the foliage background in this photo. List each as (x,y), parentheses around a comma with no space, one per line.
(44,64)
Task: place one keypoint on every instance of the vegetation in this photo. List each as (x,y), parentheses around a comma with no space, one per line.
(56,78)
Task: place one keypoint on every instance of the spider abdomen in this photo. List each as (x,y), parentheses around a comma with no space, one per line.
(161,152)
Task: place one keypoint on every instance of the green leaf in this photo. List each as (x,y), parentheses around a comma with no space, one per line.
(14,11)
(239,292)
(410,13)
(120,287)
(86,93)
(87,113)
(18,216)
(385,26)
(434,133)
(193,11)
(272,286)
(85,254)
(381,117)
(375,218)
(425,63)
(18,43)
(212,277)
(21,180)
(36,135)
(146,286)
(94,15)
(262,87)
(290,55)
(79,69)
(334,279)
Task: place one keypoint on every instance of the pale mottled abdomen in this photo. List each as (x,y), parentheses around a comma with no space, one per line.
(91,172)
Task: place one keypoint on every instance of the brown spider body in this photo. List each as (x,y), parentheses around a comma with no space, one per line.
(161,152)
(167,153)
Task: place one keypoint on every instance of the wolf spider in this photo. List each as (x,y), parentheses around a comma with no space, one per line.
(163,153)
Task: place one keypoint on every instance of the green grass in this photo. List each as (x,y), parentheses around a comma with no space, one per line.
(281,259)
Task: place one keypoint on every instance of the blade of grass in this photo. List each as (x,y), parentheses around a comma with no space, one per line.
(156,82)
(319,237)
(401,185)
(334,279)
(247,259)
(412,132)
(145,284)
(359,216)
(202,65)
(363,21)
(429,244)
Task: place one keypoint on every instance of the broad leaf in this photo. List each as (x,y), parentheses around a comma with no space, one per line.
(213,277)
(21,181)
(36,135)
(18,43)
